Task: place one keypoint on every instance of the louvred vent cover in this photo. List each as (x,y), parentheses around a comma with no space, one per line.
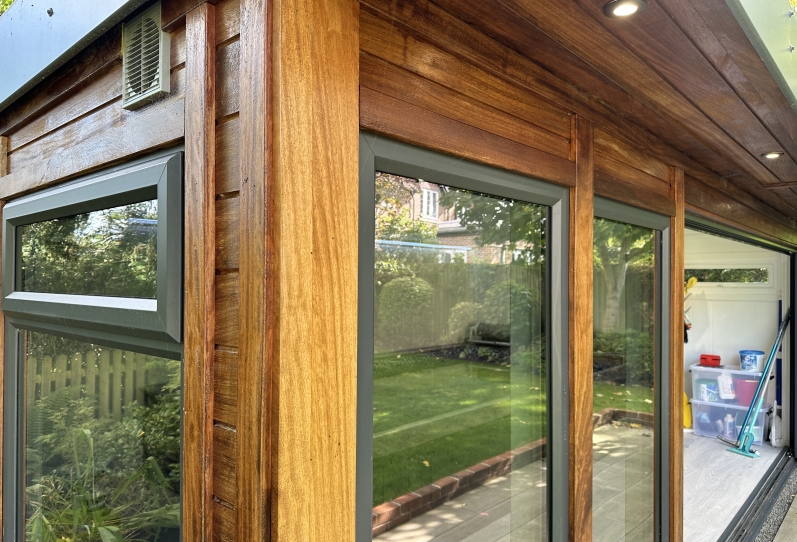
(146,59)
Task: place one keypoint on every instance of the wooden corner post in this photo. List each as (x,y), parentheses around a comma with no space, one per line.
(580,331)
(315,234)
(676,467)
(3,172)
(199,270)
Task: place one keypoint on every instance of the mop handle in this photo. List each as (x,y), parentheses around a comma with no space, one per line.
(758,398)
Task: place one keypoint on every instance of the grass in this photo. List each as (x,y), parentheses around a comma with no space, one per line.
(435,416)
(633,397)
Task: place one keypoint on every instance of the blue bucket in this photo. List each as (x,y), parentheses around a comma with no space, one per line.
(752,360)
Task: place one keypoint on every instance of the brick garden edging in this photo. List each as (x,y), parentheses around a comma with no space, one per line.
(400,510)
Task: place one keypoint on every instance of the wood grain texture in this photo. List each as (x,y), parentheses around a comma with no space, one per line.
(199,273)
(225,479)
(403,121)
(66,80)
(228,157)
(93,125)
(580,331)
(133,136)
(316,160)
(225,387)
(676,372)
(710,201)
(224,519)
(404,42)
(383,77)
(256,312)
(228,19)
(228,303)
(621,182)
(228,233)
(228,61)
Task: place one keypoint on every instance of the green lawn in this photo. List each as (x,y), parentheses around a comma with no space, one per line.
(608,395)
(436,416)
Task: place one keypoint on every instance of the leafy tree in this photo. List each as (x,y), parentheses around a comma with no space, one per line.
(616,246)
(4,5)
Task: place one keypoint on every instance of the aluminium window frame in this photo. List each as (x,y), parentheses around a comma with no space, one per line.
(378,153)
(148,326)
(660,224)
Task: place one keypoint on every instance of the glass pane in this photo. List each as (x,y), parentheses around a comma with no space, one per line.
(758,275)
(102,429)
(624,387)
(112,252)
(460,361)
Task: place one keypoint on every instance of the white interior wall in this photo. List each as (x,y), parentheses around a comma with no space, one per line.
(727,318)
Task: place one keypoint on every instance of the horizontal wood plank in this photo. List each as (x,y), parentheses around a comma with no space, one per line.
(97,91)
(228,159)
(177,47)
(652,196)
(228,62)
(228,19)
(228,235)
(715,205)
(384,77)
(94,127)
(608,144)
(227,306)
(397,44)
(224,474)
(403,121)
(225,387)
(66,80)
(224,518)
(159,127)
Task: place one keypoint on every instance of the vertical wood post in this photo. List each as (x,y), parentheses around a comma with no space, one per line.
(256,279)
(580,331)
(315,178)
(676,428)
(199,269)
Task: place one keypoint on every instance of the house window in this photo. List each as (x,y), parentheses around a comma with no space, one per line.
(429,203)
(757,275)
(92,295)
(460,358)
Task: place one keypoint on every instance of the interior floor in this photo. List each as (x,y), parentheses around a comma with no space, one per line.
(717,483)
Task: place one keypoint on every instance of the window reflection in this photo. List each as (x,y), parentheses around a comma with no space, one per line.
(624,387)
(111,252)
(460,363)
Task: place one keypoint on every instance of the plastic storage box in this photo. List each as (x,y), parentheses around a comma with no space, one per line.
(706,384)
(705,416)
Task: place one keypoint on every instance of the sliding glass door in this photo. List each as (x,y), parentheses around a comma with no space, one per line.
(627,384)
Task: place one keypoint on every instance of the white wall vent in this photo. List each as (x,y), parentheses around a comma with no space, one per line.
(145,59)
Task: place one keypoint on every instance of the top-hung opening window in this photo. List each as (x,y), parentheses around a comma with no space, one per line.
(92,408)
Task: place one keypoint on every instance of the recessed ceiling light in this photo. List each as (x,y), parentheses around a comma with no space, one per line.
(624,8)
(772,155)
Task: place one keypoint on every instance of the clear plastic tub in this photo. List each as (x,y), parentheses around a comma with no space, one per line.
(705,416)
(703,390)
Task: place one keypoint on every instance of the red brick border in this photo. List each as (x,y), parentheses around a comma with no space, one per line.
(393,513)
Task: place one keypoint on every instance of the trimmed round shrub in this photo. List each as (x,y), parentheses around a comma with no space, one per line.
(404,313)
(462,317)
(516,309)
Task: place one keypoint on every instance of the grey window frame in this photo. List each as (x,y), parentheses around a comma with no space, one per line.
(620,212)
(150,326)
(382,154)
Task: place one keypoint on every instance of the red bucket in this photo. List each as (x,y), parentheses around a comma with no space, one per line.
(745,390)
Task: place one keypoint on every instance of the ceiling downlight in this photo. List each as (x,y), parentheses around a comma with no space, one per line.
(624,8)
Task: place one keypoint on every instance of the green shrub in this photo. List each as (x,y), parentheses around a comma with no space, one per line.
(639,358)
(404,307)
(515,308)
(531,358)
(462,317)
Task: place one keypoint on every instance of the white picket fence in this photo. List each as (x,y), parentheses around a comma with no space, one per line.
(115,378)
